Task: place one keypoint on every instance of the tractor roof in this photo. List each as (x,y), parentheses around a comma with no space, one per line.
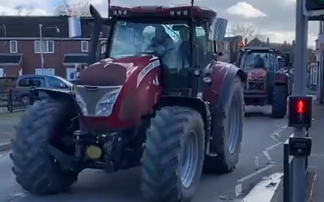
(174,12)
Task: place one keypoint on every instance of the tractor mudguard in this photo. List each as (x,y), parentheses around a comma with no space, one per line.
(56,94)
(194,103)
(222,78)
(281,78)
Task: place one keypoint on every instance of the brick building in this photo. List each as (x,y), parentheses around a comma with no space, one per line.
(20,45)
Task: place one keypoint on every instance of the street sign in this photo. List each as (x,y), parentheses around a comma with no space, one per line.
(300,111)
(312,5)
(314,9)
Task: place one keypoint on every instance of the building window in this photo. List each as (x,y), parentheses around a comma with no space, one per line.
(84,46)
(47,46)
(13,47)
(45,71)
(103,47)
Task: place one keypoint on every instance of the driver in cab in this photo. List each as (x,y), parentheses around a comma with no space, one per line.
(258,62)
(161,42)
(163,45)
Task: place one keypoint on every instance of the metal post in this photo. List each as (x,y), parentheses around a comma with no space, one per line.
(300,90)
(319,90)
(41,47)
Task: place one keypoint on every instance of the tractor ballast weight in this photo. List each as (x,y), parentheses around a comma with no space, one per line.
(268,83)
(136,108)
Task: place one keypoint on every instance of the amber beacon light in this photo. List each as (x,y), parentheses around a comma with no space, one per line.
(300,111)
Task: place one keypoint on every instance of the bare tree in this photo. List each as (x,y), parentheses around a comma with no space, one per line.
(73,9)
(248,31)
(22,10)
(3,13)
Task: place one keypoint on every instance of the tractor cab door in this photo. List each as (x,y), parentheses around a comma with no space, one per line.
(273,68)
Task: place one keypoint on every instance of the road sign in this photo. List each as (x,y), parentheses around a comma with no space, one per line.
(314,9)
(312,5)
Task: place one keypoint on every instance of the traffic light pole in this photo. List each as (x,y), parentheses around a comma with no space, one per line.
(299,180)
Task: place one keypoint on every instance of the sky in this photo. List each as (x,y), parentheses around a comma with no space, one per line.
(273,18)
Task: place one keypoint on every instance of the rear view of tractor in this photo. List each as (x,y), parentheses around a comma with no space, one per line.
(157,98)
(268,83)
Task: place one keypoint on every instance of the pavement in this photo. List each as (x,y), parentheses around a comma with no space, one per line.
(316,160)
(261,156)
(7,129)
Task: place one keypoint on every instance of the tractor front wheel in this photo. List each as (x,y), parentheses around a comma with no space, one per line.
(227,132)
(35,169)
(173,156)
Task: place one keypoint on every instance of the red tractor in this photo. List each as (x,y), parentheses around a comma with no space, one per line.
(139,106)
(268,81)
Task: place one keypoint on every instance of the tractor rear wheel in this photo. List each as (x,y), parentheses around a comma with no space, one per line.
(279,101)
(227,132)
(173,155)
(35,170)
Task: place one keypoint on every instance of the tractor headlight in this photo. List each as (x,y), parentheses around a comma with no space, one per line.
(105,105)
(81,103)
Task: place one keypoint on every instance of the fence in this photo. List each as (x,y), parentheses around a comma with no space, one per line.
(12,100)
(288,172)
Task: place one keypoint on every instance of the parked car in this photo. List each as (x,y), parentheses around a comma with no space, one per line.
(25,82)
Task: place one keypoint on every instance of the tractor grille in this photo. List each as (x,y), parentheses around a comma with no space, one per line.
(91,95)
(255,85)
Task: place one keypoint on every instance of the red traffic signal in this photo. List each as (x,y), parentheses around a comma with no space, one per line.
(300,107)
(300,111)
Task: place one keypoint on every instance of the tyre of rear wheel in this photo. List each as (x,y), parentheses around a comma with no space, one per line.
(227,132)
(35,170)
(165,173)
(279,102)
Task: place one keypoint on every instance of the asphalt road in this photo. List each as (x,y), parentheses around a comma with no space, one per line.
(260,156)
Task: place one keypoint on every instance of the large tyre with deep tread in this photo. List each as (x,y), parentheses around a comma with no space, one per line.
(227,155)
(170,128)
(35,170)
(279,101)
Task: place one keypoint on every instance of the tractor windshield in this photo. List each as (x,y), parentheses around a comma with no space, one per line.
(253,60)
(162,40)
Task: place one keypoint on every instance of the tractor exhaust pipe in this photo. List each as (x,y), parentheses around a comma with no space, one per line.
(98,21)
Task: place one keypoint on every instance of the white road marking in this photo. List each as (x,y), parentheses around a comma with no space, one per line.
(256,162)
(273,146)
(313,183)
(276,137)
(238,190)
(264,190)
(266,154)
(255,173)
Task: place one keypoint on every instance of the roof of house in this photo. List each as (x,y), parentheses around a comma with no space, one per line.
(10,58)
(28,26)
(75,59)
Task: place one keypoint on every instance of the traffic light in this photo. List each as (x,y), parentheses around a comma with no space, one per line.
(300,111)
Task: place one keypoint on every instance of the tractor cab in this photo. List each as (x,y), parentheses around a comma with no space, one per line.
(258,58)
(182,38)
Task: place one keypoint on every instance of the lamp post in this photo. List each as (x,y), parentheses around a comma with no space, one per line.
(40,26)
